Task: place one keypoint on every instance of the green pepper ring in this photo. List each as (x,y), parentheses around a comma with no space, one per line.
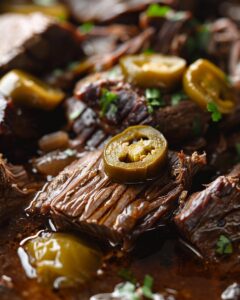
(135,171)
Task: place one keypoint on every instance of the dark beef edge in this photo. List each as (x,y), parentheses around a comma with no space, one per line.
(210,213)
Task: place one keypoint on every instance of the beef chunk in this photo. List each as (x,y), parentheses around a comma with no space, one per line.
(108,10)
(21,127)
(171,33)
(178,123)
(82,197)
(104,53)
(35,42)
(14,188)
(212,213)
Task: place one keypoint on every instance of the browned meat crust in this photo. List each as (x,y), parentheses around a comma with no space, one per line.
(109,10)
(35,43)
(14,188)
(212,212)
(178,123)
(84,198)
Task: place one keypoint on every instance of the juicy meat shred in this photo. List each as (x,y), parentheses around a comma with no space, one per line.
(99,60)
(35,42)
(83,197)
(213,212)
(14,188)
(171,34)
(178,123)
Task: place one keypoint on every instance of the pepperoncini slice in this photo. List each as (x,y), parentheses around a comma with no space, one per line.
(27,90)
(204,83)
(136,154)
(56,10)
(62,260)
(153,70)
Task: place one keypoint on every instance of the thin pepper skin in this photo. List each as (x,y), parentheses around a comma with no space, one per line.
(136,154)
(204,82)
(153,70)
(27,90)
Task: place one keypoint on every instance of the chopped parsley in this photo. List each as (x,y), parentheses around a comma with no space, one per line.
(224,245)
(154,99)
(156,10)
(127,275)
(127,290)
(108,102)
(203,36)
(86,27)
(135,292)
(72,65)
(147,287)
(178,97)
(148,51)
(215,113)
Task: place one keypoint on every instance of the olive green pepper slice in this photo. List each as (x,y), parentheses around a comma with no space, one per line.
(62,260)
(136,154)
(204,82)
(27,90)
(153,70)
(57,10)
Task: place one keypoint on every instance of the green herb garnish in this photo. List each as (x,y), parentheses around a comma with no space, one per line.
(203,36)
(224,245)
(178,97)
(134,291)
(108,102)
(154,99)
(86,27)
(127,275)
(215,113)
(127,290)
(148,51)
(72,65)
(57,72)
(156,10)
(147,287)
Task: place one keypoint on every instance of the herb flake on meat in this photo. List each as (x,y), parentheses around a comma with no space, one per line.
(108,102)
(215,113)
(154,99)
(86,27)
(224,245)
(178,97)
(147,287)
(156,10)
(127,275)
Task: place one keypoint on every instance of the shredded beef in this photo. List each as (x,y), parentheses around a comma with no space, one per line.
(84,198)
(108,10)
(35,43)
(178,123)
(213,212)
(14,188)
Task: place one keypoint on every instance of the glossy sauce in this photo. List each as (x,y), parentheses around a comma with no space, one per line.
(176,270)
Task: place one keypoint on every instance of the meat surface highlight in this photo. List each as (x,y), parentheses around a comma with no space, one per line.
(82,197)
(35,43)
(212,214)
(14,188)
